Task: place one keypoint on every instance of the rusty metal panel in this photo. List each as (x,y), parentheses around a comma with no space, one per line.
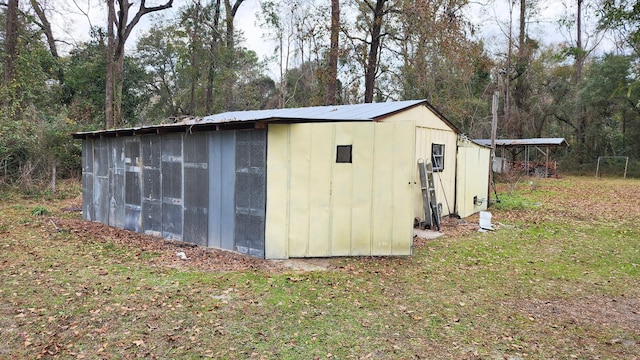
(87,179)
(172,202)
(250,191)
(222,189)
(132,189)
(151,213)
(196,188)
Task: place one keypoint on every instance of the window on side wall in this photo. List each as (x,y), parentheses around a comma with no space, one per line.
(437,157)
(343,154)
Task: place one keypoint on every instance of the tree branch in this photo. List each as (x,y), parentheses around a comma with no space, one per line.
(566,122)
(142,11)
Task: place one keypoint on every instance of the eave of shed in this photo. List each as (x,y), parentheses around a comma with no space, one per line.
(257,118)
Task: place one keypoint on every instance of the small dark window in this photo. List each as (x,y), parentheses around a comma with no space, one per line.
(343,154)
(437,156)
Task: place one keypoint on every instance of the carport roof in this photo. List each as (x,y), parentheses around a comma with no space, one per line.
(525,142)
(253,118)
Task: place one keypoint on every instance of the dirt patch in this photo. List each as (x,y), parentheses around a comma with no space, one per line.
(600,311)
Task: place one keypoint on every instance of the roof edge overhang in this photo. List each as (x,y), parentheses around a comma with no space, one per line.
(199,124)
(197,127)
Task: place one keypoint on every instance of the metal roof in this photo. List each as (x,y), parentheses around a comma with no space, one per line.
(249,119)
(525,142)
(356,112)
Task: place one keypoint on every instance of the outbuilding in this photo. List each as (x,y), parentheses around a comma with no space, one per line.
(306,182)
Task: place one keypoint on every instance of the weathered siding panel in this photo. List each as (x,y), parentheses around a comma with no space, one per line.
(172,187)
(362,190)
(151,214)
(330,208)
(132,185)
(322,155)
(278,175)
(473,178)
(250,187)
(222,189)
(101,193)
(196,188)
(445,180)
(87,180)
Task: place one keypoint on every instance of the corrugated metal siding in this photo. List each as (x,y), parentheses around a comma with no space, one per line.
(101,190)
(172,186)
(319,208)
(88,211)
(151,148)
(473,177)
(196,188)
(250,188)
(129,184)
(222,178)
(189,187)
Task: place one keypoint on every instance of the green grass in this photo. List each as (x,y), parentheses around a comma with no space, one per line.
(562,282)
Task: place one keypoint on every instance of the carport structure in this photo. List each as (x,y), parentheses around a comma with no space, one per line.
(515,147)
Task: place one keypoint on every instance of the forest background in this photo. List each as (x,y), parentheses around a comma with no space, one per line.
(581,83)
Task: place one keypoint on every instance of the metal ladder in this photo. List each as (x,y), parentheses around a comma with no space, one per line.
(429,201)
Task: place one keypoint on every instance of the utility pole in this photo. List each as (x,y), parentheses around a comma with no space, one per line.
(494,130)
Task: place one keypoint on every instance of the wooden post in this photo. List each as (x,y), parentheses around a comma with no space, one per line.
(546,164)
(626,164)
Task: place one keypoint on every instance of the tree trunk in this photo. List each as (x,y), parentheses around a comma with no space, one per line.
(521,69)
(45,25)
(214,53)
(507,85)
(108,103)
(581,115)
(118,30)
(332,66)
(372,58)
(194,58)
(230,43)
(118,80)
(580,51)
(11,42)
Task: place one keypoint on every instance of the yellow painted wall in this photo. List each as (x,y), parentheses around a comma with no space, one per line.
(431,129)
(317,207)
(473,177)
(422,116)
(444,180)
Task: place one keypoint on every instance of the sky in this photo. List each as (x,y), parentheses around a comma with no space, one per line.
(73,18)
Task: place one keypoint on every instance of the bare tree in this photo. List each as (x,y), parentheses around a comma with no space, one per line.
(230,12)
(118,30)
